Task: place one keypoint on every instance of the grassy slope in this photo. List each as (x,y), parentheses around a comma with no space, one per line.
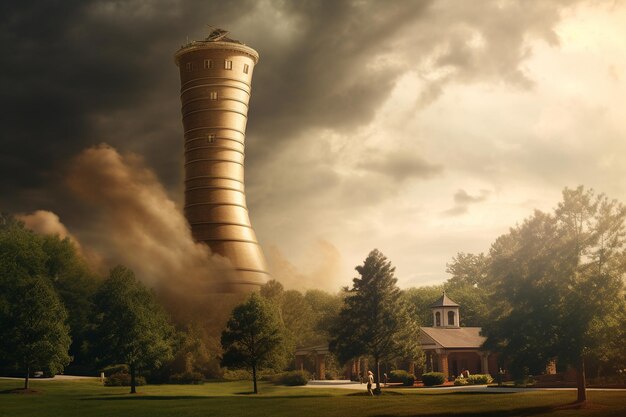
(89,398)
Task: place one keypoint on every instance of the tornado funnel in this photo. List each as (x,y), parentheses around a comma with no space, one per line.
(216,79)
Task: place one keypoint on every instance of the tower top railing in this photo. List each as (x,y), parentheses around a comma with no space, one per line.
(217,39)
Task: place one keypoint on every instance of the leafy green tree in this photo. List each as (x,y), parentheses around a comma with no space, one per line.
(21,252)
(468,269)
(325,309)
(34,332)
(419,301)
(76,285)
(33,329)
(273,291)
(556,284)
(253,337)
(131,326)
(374,319)
(467,287)
(24,253)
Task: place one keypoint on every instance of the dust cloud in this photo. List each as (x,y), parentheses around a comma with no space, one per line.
(321,268)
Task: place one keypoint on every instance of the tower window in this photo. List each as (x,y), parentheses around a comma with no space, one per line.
(210,138)
(246,67)
(228,65)
(451,318)
(189,66)
(208,64)
(437,319)
(213,95)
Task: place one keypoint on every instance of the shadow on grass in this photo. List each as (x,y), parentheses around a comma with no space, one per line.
(517,412)
(20,391)
(466,393)
(366,394)
(133,397)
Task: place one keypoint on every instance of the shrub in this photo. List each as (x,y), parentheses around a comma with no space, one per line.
(122,379)
(187,378)
(461,381)
(292,378)
(330,375)
(237,375)
(115,369)
(479,379)
(399,375)
(433,378)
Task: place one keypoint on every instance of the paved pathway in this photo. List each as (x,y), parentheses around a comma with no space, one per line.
(56,378)
(346,384)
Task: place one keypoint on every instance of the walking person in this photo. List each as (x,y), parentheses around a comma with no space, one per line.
(370,382)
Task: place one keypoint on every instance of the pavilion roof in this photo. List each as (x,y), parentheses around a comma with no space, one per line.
(444,301)
(455,337)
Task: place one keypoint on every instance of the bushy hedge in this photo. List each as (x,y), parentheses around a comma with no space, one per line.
(122,379)
(292,378)
(115,369)
(330,375)
(478,379)
(433,378)
(461,381)
(187,378)
(237,375)
(400,375)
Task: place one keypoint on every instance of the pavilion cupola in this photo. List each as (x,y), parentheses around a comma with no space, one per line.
(445,312)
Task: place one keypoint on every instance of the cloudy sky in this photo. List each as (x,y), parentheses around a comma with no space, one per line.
(421,128)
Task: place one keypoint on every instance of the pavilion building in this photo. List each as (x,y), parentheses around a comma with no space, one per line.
(450,348)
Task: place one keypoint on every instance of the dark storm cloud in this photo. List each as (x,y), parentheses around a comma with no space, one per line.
(69,65)
(76,74)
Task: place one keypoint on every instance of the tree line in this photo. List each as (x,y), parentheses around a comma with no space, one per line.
(551,289)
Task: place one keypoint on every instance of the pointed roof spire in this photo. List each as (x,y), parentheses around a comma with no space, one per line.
(444,301)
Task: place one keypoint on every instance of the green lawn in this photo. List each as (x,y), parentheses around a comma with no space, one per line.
(88,398)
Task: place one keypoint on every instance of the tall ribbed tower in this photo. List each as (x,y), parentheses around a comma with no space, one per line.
(216,78)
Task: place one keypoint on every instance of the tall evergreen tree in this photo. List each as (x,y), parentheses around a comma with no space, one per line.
(374,319)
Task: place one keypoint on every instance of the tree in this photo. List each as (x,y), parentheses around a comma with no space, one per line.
(326,309)
(420,300)
(34,333)
(131,327)
(374,320)
(76,285)
(556,284)
(33,329)
(24,253)
(252,338)
(467,286)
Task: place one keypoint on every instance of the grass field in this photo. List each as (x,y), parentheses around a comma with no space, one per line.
(87,398)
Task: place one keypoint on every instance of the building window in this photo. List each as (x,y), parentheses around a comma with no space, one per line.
(189,66)
(246,67)
(208,64)
(213,95)
(437,319)
(228,65)
(210,138)
(450,318)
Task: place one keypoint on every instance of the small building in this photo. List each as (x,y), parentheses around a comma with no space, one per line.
(316,355)
(450,348)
